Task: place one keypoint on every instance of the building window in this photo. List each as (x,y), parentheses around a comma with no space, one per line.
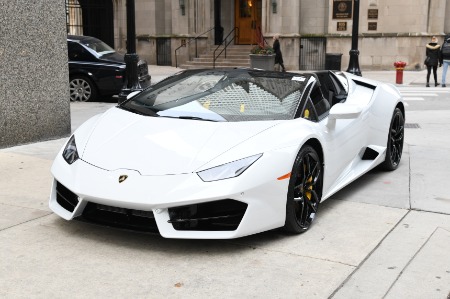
(74,17)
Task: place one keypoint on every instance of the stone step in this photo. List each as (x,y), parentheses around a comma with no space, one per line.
(223,63)
(208,59)
(229,56)
(190,65)
(246,50)
(237,56)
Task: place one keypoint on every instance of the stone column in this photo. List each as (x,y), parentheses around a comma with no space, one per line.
(34,79)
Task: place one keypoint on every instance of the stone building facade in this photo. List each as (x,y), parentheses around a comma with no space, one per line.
(389,30)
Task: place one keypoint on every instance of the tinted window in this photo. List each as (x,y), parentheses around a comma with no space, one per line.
(98,46)
(77,52)
(321,105)
(308,111)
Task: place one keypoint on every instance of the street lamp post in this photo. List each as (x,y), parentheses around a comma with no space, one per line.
(353,65)
(131,58)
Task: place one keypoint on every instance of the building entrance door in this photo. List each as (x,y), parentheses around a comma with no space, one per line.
(92,18)
(248,19)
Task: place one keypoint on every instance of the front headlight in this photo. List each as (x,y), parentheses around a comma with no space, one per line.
(229,170)
(70,153)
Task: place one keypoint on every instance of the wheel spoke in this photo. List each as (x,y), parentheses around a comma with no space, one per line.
(300,207)
(313,203)
(398,153)
(315,174)
(305,167)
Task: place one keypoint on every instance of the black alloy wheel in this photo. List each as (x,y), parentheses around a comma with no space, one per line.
(395,141)
(82,89)
(305,191)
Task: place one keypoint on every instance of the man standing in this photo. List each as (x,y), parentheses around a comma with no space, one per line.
(445,58)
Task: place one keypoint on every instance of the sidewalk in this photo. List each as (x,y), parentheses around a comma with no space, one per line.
(387,235)
(410,78)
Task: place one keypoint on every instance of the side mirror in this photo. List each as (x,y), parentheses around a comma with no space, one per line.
(343,111)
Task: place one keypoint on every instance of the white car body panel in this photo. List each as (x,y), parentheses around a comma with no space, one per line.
(161,156)
(122,132)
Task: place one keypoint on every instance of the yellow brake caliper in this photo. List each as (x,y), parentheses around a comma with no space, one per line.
(308,193)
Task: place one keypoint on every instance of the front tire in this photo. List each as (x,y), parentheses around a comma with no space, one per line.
(304,191)
(82,89)
(395,141)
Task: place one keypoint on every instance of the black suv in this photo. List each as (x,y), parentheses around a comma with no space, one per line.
(97,69)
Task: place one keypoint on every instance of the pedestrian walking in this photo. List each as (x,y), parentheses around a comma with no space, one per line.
(278,55)
(432,59)
(445,58)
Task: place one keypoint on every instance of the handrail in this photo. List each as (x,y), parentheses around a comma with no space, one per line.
(260,39)
(236,35)
(188,42)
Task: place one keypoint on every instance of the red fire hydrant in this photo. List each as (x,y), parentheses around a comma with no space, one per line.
(399,67)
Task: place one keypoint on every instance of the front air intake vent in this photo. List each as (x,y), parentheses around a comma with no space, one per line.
(66,198)
(222,215)
(136,220)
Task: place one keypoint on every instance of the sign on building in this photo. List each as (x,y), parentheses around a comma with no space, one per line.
(372,14)
(342,9)
(341,26)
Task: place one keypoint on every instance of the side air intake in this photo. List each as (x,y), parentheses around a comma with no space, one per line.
(370,154)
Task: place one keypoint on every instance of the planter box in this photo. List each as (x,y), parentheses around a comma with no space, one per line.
(264,62)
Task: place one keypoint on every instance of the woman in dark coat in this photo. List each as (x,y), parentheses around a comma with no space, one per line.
(432,60)
(278,56)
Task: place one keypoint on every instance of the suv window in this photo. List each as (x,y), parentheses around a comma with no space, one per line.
(77,52)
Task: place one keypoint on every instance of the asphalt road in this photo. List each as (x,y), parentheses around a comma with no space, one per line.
(387,235)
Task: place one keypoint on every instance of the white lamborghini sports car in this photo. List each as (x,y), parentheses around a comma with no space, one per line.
(226,153)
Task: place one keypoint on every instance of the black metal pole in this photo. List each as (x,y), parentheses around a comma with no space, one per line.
(353,65)
(131,58)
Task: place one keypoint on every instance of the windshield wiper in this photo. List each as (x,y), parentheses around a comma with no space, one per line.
(191,117)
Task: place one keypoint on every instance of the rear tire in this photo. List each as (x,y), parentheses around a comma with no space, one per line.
(82,89)
(396,137)
(304,191)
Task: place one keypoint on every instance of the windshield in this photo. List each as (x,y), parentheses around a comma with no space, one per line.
(98,46)
(223,95)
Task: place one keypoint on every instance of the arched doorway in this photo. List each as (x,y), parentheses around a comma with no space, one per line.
(248,19)
(86,17)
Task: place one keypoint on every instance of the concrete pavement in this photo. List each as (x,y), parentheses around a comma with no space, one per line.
(387,235)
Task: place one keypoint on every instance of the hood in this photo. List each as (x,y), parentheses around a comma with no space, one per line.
(113,57)
(160,145)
